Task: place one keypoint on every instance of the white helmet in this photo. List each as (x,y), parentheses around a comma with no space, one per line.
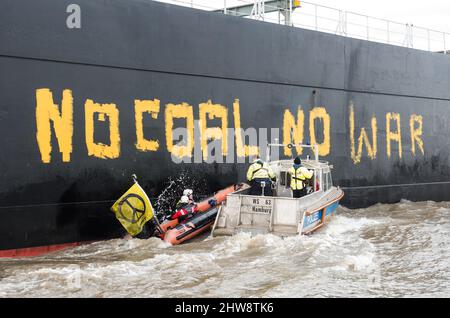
(187,192)
(184,199)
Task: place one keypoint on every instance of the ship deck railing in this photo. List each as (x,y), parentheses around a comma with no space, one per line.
(312,16)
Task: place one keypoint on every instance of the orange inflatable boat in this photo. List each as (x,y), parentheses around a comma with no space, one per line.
(176,233)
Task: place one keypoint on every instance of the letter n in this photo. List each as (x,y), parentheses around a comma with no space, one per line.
(293,130)
(47,112)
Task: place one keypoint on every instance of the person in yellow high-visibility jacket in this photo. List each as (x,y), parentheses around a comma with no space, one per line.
(299,175)
(260,176)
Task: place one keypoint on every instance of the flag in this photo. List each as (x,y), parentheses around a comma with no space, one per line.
(133,209)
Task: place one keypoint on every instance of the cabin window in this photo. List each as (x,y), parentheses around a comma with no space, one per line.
(327,182)
(330,180)
(314,182)
(318,181)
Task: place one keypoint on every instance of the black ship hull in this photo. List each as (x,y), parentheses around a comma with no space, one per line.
(83,109)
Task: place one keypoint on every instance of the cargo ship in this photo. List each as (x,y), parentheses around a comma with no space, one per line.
(84,106)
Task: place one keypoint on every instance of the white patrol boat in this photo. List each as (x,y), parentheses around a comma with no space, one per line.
(281,214)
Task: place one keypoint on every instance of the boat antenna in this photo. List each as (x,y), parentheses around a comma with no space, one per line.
(316,152)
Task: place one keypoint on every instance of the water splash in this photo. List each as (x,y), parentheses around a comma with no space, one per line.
(166,201)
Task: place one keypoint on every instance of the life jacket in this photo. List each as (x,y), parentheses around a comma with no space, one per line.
(259,170)
(184,212)
(298,176)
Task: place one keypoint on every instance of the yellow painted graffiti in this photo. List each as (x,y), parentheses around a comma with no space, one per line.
(362,139)
(141,107)
(57,119)
(393,136)
(241,149)
(99,149)
(47,112)
(210,111)
(183,111)
(320,113)
(293,130)
(416,132)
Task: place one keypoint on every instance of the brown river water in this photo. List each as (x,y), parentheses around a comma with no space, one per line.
(387,250)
